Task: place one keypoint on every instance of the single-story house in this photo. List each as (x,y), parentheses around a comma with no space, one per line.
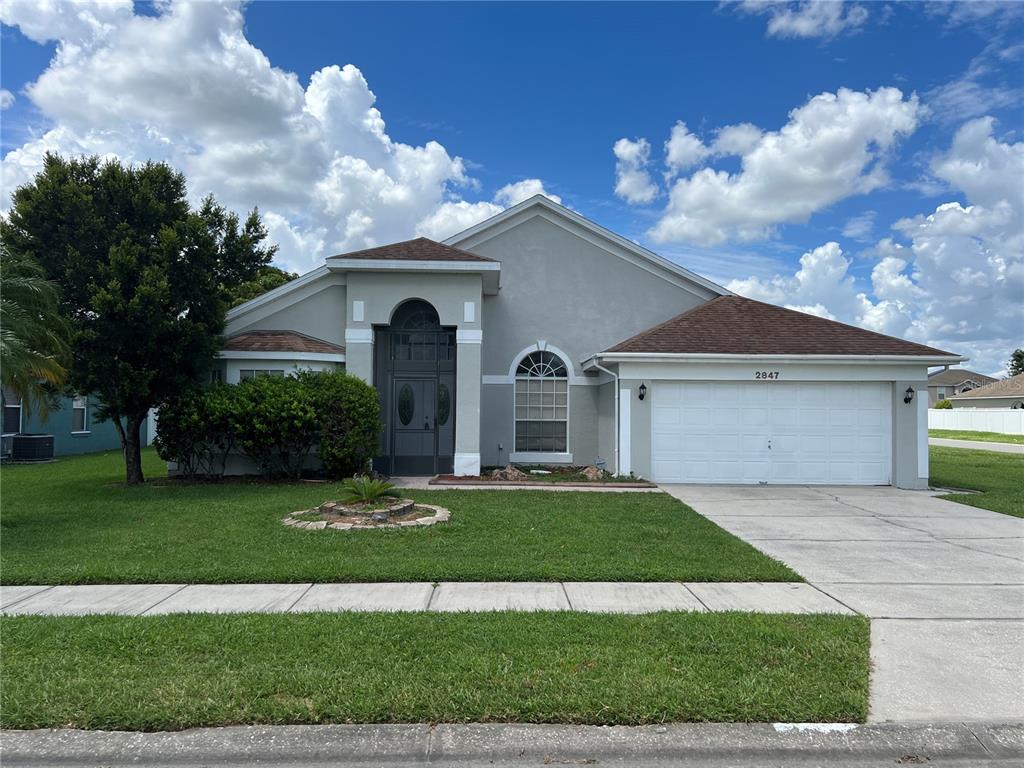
(954,381)
(72,425)
(1005,393)
(539,337)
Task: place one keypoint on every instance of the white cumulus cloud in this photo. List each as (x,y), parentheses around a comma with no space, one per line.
(452,217)
(632,181)
(6,98)
(956,281)
(187,86)
(833,147)
(808,18)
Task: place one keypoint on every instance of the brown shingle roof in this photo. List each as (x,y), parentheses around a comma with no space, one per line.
(735,325)
(1011,387)
(420,249)
(956,376)
(280,341)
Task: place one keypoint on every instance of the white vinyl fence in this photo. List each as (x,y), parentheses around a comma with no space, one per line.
(1008,421)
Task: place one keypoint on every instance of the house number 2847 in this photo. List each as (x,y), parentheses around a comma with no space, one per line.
(766,374)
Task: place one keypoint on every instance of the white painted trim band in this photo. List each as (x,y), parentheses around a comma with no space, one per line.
(524,457)
(311,357)
(579,381)
(468,336)
(682,357)
(410,265)
(359,336)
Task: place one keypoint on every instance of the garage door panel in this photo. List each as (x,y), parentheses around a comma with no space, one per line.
(827,432)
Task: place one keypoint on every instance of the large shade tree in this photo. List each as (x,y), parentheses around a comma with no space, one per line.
(145,279)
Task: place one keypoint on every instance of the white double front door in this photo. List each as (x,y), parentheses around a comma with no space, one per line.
(772,432)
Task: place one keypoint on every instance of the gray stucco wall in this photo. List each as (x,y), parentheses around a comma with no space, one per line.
(320,315)
(578,297)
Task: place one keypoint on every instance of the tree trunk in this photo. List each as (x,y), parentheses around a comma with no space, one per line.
(133,451)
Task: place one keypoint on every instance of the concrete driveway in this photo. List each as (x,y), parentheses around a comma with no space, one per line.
(942,582)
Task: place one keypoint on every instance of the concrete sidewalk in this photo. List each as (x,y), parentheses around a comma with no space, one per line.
(977,445)
(707,745)
(589,597)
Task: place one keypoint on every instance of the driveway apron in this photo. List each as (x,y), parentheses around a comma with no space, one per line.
(943,584)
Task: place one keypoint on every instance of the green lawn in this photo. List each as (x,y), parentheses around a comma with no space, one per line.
(987,437)
(999,475)
(75,522)
(180,671)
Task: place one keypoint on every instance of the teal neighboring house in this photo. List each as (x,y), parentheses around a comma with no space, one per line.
(73,425)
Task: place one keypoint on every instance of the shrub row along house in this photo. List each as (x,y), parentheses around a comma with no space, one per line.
(539,337)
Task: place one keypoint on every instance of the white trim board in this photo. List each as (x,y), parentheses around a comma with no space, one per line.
(270,296)
(311,357)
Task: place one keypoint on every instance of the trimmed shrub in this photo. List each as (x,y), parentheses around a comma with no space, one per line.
(276,421)
(349,421)
(195,430)
(944,405)
(274,424)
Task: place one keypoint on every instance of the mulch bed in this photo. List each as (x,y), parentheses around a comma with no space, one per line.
(478,480)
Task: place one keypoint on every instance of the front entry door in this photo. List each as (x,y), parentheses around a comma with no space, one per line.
(414,426)
(414,372)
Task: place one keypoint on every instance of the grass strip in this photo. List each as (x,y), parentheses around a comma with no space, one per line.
(75,522)
(999,476)
(985,437)
(181,671)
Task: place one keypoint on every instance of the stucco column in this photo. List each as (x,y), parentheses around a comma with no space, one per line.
(910,435)
(467,401)
(359,353)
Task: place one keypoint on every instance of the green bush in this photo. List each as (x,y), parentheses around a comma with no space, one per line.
(196,431)
(944,405)
(276,421)
(366,489)
(349,421)
(274,424)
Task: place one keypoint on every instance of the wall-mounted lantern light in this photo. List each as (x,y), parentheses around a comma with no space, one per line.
(642,391)
(908,395)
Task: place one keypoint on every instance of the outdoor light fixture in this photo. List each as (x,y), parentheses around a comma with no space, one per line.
(908,395)
(643,390)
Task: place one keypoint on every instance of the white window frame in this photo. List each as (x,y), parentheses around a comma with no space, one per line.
(258,372)
(21,416)
(940,393)
(84,407)
(542,457)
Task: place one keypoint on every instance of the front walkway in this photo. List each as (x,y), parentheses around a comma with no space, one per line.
(943,583)
(978,445)
(590,597)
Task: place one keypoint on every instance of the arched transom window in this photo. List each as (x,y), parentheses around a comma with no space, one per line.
(542,404)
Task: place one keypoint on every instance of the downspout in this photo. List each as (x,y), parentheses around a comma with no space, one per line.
(615,398)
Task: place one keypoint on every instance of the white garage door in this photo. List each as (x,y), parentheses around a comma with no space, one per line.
(771,432)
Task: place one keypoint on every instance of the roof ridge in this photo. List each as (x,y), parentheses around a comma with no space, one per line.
(362,252)
(740,325)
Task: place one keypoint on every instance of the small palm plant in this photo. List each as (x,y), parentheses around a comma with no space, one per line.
(364,489)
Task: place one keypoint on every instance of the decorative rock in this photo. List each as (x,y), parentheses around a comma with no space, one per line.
(317,525)
(508,473)
(592,473)
(340,526)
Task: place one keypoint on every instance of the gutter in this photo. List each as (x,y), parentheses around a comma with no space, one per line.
(615,398)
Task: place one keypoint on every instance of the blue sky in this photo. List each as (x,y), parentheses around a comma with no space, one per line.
(483,103)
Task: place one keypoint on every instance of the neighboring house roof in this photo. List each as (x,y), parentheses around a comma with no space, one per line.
(953,377)
(541,205)
(280,341)
(1011,387)
(420,249)
(735,325)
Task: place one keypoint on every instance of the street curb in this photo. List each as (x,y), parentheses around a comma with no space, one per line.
(471,744)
